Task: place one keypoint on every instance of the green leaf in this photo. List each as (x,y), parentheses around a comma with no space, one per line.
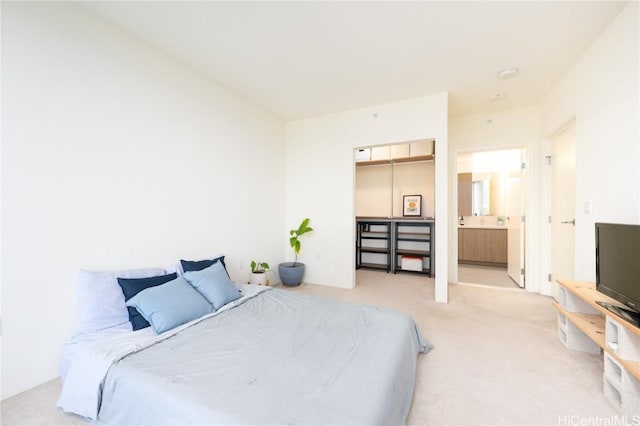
(259,267)
(296,233)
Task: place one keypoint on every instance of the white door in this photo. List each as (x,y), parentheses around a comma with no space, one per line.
(514,208)
(563,165)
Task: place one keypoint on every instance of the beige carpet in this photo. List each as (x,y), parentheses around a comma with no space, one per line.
(497,359)
(485,275)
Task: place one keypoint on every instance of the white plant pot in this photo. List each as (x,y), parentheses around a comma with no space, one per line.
(258,278)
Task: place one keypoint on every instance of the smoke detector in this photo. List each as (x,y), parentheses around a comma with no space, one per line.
(507,73)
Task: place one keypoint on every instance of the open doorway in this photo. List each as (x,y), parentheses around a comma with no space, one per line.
(491,205)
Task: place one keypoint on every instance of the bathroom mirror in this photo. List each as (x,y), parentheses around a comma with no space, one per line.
(485,181)
(481,197)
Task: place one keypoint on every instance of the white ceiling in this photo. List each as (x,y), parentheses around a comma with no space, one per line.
(302,59)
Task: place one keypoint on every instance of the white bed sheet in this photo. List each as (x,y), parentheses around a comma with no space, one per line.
(88,356)
(79,341)
(76,343)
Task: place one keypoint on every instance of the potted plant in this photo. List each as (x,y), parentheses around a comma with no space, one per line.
(259,273)
(291,272)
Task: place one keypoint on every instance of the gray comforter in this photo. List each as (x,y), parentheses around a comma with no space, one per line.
(279,358)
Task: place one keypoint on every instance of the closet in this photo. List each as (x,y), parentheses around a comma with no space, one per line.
(395,207)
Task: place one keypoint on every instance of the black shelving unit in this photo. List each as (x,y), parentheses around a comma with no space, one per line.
(415,239)
(374,237)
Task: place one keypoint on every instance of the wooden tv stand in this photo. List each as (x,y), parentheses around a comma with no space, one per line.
(585,326)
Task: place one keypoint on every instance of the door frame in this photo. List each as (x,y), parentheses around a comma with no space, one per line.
(547,285)
(528,224)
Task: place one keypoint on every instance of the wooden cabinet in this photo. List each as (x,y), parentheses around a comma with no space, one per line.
(464,194)
(495,245)
(482,246)
(471,244)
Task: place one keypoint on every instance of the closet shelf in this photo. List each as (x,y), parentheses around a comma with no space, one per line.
(395,160)
(374,250)
(421,253)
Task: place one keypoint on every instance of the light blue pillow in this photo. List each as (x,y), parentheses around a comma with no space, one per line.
(169,305)
(214,284)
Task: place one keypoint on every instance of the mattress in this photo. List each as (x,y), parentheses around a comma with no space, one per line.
(273,357)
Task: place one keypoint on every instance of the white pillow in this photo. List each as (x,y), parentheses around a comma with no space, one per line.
(99,298)
(176,267)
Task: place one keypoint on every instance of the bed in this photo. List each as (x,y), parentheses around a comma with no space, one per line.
(272,356)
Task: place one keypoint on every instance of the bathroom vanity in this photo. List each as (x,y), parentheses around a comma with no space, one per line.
(482,245)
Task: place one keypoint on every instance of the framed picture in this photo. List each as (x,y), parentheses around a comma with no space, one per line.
(412,205)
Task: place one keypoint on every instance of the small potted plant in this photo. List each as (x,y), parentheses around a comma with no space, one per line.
(259,273)
(291,272)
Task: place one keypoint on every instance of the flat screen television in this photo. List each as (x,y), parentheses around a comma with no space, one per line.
(618,268)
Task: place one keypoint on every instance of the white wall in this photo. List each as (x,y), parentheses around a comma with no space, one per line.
(519,127)
(601,90)
(115,156)
(320,180)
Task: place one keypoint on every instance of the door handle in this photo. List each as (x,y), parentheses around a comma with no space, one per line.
(572,221)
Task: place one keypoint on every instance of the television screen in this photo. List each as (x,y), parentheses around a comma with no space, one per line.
(618,263)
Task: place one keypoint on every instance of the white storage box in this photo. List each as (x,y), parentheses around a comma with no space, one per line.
(380,153)
(362,154)
(400,150)
(411,263)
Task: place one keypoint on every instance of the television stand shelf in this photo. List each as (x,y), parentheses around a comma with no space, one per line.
(585,325)
(631,317)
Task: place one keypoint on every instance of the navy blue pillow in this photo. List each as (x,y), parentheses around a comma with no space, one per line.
(132,286)
(199,265)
